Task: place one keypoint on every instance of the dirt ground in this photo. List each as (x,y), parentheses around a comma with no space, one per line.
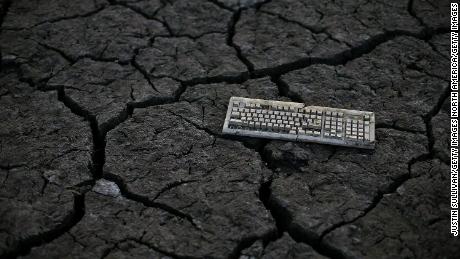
(111,115)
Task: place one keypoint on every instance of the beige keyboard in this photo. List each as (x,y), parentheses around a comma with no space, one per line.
(297,122)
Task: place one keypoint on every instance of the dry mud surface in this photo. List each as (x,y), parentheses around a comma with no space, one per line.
(111,115)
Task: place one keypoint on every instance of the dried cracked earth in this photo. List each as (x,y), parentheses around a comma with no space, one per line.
(111,117)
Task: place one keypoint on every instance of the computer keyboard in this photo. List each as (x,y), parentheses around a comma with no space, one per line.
(297,122)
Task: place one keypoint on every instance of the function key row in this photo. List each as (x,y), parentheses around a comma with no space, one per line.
(279,108)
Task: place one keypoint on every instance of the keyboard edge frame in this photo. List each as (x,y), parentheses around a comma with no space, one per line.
(303,138)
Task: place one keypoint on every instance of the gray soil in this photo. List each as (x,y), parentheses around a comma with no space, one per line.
(111,115)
